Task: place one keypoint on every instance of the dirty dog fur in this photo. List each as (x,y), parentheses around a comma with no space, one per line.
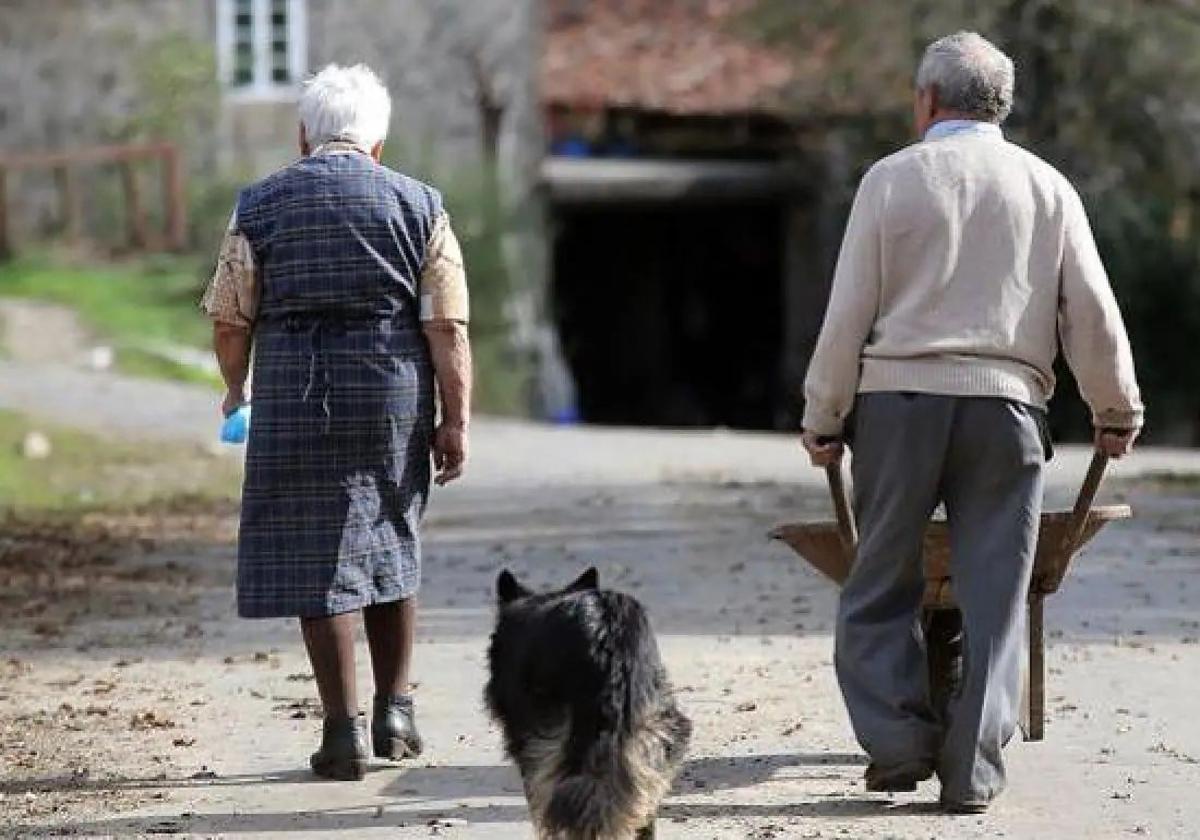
(580,692)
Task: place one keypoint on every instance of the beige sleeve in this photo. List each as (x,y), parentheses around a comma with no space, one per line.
(1093,333)
(233,293)
(443,283)
(833,372)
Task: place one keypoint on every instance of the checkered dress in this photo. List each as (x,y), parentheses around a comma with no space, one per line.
(338,459)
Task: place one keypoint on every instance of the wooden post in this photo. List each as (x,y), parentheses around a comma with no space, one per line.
(1036,704)
(173,196)
(70,209)
(135,218)
(5,243)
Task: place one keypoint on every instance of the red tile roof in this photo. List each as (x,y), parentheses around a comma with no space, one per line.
(674,56)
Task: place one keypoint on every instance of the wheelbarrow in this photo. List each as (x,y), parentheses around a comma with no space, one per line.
(830,547)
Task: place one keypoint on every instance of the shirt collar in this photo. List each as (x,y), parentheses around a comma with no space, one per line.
(339,146)
(948,128)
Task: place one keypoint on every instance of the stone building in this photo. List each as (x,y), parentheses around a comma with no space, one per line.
(673,273)
(687,271)
(461,72)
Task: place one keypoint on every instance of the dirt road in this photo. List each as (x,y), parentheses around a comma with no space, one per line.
(132,703)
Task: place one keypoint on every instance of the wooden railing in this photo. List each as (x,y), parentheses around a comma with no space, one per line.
(65,165)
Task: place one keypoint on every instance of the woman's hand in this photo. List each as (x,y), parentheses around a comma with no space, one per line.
(232,346)
(232,402)
(451,352)
(449,452)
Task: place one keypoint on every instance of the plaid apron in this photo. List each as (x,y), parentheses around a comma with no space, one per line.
(338,458)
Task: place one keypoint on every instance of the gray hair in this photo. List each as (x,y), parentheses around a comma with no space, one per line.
(345,103)
(970,75)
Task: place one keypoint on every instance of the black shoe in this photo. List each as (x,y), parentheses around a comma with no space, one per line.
(343,752)
(965,807)
(897,778)
(394,732)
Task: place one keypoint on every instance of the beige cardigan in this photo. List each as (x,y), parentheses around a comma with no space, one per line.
(965,260)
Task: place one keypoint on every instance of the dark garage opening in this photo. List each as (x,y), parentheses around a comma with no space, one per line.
(671,313)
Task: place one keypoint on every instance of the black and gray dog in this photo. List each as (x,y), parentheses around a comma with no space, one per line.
(580,692)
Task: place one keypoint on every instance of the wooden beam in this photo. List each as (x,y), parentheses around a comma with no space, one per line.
(174,199)
(135,217)
(1037,670)
(69,205)
(5,243)
(600,180)
(92,155)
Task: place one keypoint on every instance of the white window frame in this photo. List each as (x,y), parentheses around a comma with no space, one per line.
(262,86)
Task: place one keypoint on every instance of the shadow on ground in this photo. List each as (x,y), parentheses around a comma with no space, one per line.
(415,797)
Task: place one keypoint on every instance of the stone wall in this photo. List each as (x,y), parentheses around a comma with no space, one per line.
(67,65)
(432,54)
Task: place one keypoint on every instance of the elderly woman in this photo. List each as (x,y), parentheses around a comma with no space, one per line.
(345,278)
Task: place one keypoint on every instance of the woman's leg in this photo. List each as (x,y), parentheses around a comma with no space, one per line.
(391,629)
(330,643)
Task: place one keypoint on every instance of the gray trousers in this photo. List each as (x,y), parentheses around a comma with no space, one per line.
(983,459)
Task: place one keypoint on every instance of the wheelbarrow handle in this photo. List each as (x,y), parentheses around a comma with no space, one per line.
(1083,503)
(841,507)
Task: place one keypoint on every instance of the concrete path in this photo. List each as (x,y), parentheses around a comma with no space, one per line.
(132,703)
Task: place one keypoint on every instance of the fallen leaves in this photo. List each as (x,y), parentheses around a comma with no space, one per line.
(12,668)
(150,720)
(1162,749)
(300,709)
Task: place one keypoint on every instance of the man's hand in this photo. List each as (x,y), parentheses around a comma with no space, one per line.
(822,449)
(232,402)
(449,452)
(1115,443)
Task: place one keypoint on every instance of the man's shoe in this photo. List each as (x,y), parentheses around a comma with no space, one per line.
(394,732)
(343,752)
(897,778)
(965,807)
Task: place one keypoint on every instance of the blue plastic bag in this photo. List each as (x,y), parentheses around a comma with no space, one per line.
(236,427)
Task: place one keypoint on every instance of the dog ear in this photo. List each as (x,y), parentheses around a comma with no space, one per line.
(508,588)
(588,580)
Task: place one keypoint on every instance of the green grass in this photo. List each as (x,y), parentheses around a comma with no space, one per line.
(135,305)
(86,472)
(137,362)
(153,300)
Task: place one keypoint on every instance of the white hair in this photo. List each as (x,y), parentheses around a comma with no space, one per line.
(970,75)
(345,103)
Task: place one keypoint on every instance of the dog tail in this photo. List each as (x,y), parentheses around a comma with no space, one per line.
(625,739)
(593,803)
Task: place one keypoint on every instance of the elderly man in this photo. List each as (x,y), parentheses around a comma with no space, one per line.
(348,282)
(965,260)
